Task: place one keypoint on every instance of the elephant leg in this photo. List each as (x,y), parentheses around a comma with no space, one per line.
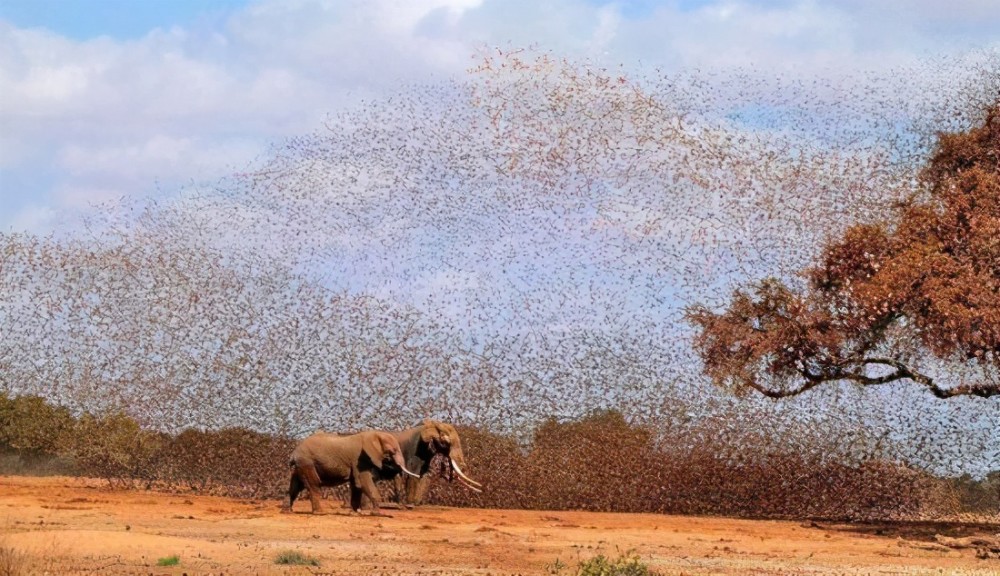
(423,485)
(355,495)
(294,488)
(416,489)
(411,491)
(312,481)
(399,495)
(367,486)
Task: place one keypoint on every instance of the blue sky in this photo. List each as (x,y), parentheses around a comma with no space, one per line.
(130,19)
(120,19)
(101,99)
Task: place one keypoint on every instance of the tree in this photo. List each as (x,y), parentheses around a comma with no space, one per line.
(889,300)
(32,427)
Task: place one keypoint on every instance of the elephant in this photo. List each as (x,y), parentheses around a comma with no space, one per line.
(420,444)
(325,459)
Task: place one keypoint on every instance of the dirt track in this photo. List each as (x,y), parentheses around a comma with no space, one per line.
(72,526)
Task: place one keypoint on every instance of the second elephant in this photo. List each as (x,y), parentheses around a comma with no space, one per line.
(420,444)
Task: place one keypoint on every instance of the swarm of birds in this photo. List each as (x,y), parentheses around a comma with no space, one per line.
(519,251)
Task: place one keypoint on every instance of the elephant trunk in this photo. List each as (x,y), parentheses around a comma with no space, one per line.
(398,459)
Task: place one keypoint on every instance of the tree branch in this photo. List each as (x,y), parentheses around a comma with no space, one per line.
(785,393)
(905,372)
(901,372)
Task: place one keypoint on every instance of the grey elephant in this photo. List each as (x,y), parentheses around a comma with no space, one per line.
(420,444)
(325,459)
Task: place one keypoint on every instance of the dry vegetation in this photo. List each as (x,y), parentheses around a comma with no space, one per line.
(599,463)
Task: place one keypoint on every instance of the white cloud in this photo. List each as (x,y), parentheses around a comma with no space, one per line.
(33,217)
(103,119)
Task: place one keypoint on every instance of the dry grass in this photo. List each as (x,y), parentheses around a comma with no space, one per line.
(20,561)
(13,562)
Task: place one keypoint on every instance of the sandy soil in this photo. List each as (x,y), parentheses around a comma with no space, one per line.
(75,526)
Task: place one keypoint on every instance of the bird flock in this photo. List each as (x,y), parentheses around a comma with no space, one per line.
(510,248)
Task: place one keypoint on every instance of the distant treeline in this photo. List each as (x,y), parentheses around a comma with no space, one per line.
(599,462)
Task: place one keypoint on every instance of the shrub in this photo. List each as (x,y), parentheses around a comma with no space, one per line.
(233,462)
(116,448)
(32,428)
(192,461)
(978,496)
(169,561)
(295,558)
(627,564)
(599,462)
(602,462)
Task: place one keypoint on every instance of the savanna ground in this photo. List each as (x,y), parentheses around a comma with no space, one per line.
(61,525)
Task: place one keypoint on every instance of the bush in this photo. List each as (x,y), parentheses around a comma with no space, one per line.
(33,429)
(295,558)
(978,496)
(627,564)
(600,462)
(192,462)
(233,462)
(169,561)
(116,448)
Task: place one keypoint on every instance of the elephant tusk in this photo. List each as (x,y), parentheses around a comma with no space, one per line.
(472,483)
(469,486)
(410,473)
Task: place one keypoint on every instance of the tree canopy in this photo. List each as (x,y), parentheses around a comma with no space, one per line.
(915,297)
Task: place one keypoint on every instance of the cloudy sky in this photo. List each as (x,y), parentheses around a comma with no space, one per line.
(105,98)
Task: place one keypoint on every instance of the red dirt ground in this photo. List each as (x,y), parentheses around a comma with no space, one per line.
(78,526)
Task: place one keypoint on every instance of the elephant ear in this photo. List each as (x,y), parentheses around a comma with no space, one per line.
(372,446)
(429,432)
(448,433)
